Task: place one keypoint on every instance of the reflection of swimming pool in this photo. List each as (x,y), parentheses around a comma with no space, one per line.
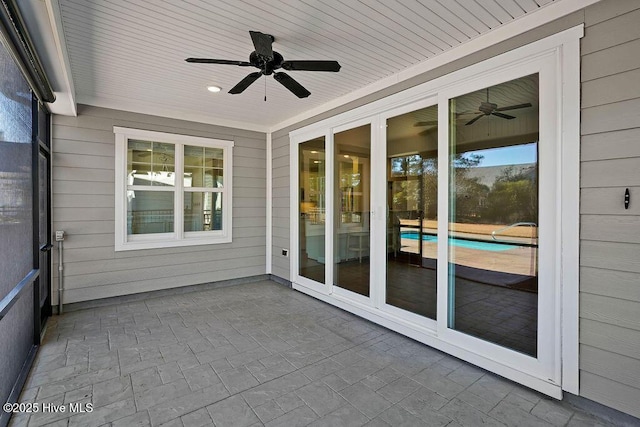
(462,243)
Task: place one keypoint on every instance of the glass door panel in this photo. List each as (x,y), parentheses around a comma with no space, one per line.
(352,183)
(493,214)
(412,193)
(312,175)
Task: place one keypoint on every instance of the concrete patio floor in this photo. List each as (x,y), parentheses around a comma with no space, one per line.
(262,354)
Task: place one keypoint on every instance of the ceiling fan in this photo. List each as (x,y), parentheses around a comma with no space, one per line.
(485,109)
(491,109)
(265,59)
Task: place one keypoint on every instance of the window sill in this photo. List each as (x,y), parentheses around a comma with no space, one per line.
(161,244)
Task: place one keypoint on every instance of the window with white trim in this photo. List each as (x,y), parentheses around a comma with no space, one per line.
(171,190)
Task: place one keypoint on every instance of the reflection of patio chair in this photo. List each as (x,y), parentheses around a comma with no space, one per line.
(393,233)
(393,239)
(358,242)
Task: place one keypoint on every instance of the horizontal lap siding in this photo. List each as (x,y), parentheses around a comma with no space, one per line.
(280,195)
(610,235)
(84,201)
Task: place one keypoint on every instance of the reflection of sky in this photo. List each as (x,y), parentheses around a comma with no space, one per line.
(513,155)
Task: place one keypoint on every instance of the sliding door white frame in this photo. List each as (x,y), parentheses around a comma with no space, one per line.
(556,58)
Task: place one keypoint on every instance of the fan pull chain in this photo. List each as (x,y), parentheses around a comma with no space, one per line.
(265,82)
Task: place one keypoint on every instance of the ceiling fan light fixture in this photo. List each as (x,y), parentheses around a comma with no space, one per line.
(214,89)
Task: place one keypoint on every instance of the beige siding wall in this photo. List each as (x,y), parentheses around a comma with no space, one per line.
(83,206)
(610,160)
(610,235)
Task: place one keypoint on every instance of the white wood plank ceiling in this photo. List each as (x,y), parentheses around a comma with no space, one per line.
(129,54)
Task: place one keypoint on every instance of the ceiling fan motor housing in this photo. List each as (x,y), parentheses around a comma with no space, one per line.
(266,65)
(487,107)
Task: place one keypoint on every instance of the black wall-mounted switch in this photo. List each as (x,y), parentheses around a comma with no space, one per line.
(627,198)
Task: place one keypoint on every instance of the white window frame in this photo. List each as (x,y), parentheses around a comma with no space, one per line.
(125,242)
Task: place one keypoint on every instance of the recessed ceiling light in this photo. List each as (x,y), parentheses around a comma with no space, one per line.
(214,89)
(314,152)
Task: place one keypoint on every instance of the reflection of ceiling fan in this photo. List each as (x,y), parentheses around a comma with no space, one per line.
(485,109)
(267,61)
(491,109)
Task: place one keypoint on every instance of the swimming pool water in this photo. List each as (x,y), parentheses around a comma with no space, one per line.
(462,243)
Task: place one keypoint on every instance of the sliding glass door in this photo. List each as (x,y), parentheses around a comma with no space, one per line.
(411,167)
(493,218)
(352,207)
(312,207)
(439,217)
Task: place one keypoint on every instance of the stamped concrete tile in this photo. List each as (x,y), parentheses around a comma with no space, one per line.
(268,411)
(377,422)
(197,418)
(552,412)
(398,389)
(186,403)
(264,374)
(399,417)
(238,379)
(438,383)
(354,373)
(104,414)
(518,401)
(468,416)
(78,381)
(585,420)
(320,397)
(365,400)
(466,375)
(111,391)
(421,400)
(258,395)
(289,402)
(139,419)
(299,417)
(162,393)
(177,422)
(345,416)
(200,377)
(335,382)
(233,412)
(514,416)
(476,401)
(170,372)
(145,379)
(83,394)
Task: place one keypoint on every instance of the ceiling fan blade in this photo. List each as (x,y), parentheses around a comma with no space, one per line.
(296,88)
(245,83)
(475,119)
(431,123)
(514,107)
(263,44)
(504,116)
(311,66)
(218,61)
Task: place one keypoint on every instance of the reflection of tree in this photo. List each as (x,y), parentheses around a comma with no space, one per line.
(513,197)
(420,189)
(469,192)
